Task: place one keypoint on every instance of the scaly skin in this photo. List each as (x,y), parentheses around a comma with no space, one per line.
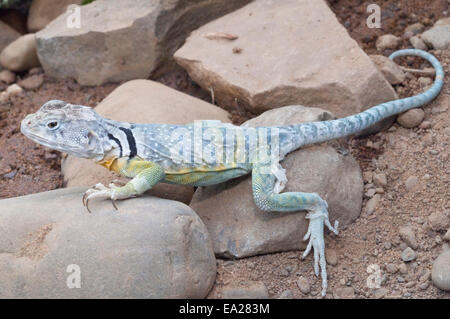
(208,152)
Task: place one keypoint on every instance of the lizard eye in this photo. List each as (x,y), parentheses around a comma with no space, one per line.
(52,125)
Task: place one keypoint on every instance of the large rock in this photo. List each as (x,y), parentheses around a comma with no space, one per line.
(143,101)
(286,52)
(20,55)
(7,35)
(122,40)
(42,12)
(239,229)
(150,248)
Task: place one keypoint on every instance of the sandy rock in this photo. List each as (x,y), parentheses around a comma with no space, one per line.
(32,82)
(411,118)
(438,221)
(391,71)
(413,29)
(42,12)
(403,268)
(20,55)
(142,101)
(112,32)
(3,97)
(150,248)
(438,37)
(391,268)
(254,290)
(13,89)
(424,82)
(284,68)
(287,294)
(331,257)
(7,77)
(240,229)
(304,285)
(411,183)
(372,204)
(7,35)
(344,293)
(440,273)
(442,21)
(380,293)
(447,235)
(408,254)
(387,41)
(417,42)
(408,235)
(380,180)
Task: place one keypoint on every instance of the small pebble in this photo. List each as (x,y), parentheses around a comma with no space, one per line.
(380,180)
(425,125)
(411,118)
(408,254)
(14,89)
(287,294)
(391,268)
(387,41)
(411,183)
(331,257)
(304,285)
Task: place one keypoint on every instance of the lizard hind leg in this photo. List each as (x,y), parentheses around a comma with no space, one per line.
(265,197)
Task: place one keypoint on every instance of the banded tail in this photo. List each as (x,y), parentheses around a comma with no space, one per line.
(315,132)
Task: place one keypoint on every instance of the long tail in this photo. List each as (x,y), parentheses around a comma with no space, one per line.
(314,132)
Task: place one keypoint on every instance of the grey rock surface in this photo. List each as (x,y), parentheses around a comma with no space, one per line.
(149,248)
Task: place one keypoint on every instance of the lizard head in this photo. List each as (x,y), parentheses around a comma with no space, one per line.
(65,127)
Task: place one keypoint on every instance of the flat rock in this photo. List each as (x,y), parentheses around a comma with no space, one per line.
(282,60)
(125,39)
(20,55)
(149,248)
(440,273)
(42,12)
(142,101)
(7,35)
(240,229)
(391,71)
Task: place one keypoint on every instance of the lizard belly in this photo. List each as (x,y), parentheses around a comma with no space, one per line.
(204,176)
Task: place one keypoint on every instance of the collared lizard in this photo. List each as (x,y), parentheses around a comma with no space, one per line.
(209,152)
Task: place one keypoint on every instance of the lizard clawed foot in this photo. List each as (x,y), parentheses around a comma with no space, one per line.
(316,241)
(100,191)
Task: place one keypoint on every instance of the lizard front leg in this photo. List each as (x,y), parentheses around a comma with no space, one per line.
(263,184)
(144,176)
